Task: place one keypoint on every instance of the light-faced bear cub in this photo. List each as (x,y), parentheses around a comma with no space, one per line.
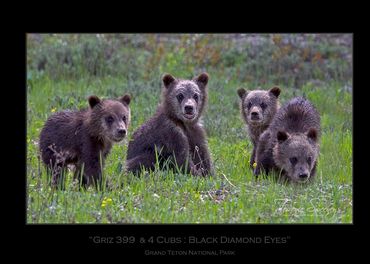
(291,143)
(258,107)
(84,138)
(174,135)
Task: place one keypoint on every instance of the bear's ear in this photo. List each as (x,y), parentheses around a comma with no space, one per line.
(312,134)
(242,92)
(93,101)
(275,91)
(282,136)
(202,80)
(168,79)
(126,99)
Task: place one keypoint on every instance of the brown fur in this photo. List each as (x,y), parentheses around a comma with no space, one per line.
(174,132)
(83,138)
(264,105)
(291,144)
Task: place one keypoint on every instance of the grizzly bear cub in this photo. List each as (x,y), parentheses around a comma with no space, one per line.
(258,107)
(84,138)
(174,135)
(291,143)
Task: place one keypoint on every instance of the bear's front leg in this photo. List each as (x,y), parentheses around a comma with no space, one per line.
(92,172)
(183,160)
(93,164)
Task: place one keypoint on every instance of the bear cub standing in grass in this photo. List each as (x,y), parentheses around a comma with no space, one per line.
(174,134)
(291,143)
(84,138)
(258,108)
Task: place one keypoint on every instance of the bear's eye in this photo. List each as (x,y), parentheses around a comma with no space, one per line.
(124,119)
(309,160)
(249,105)
(293,160)
(109,119)
(180,97)
(263,106)
(195,97)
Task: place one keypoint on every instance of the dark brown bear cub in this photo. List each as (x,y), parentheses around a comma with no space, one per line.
(258,107)
(84,138)
(174,135)
(291,143)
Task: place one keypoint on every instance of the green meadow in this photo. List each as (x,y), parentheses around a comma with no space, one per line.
(63,70)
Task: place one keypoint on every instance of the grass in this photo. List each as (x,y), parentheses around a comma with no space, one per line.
(231,196)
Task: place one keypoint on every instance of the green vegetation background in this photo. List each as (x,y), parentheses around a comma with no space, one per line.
(64,69)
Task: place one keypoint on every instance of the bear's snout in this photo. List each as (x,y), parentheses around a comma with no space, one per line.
(189,109)
(121,132)
(255,116)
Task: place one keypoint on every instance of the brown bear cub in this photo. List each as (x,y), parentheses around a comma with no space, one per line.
(291,143)
(258,108)
(84,138)
(174,136)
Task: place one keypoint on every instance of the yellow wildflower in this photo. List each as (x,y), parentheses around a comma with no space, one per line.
(254,165)
(106,201)
(53,110)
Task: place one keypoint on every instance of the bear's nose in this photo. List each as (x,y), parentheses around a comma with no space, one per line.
(254,113)
(121,132)
(189,109)
(303,175)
